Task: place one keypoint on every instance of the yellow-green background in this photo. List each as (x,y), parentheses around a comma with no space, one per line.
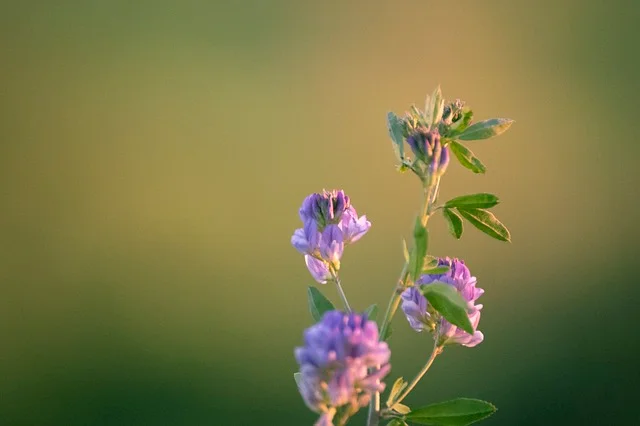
(153,156)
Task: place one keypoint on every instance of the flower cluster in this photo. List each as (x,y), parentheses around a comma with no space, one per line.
(420,317)
(329,222)
(427,147)
(344,359)
(335,364)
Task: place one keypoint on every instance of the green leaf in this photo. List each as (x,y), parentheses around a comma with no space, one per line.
(466,157)
(297,377)
(318,304)
(434,106)
(372,312)
(485,129)
(401,408)
(460,125)
(387,333)
(421,238)
(397,422)
(445,299)
(394,124)
(456,412)
(405,251)
(398,386)
(474,201)
(454,222)
(436,270)
(487,223)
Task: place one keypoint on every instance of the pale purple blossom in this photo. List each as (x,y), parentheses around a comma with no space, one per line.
(319,269)
(416,309)
(335,363)
(332,245)
(329,223)
(353,227)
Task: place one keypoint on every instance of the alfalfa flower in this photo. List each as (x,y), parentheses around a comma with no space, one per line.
(416,307)
(341,363)
(329,223)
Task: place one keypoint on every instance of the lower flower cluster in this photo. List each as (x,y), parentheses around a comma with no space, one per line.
(341,363)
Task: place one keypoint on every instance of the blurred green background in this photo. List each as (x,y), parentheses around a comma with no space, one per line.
(153,156)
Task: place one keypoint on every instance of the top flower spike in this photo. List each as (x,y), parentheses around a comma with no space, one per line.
(329,222)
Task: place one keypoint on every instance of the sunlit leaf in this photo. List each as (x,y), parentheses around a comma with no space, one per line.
(456,412)
(486,222)
(485,129)
(474,201)
(466,157)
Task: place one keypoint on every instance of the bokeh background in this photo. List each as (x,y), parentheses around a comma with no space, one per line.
(153,156)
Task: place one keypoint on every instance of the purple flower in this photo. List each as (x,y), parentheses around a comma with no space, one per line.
(415,305)
(335,361)
(324,208)
(329,222)
(306,239)
(332,245)
(353,227)
(319,269)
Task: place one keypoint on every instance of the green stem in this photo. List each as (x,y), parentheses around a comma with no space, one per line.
(343,297)
(431,185)
(394,301)
(374,409)
(437,350)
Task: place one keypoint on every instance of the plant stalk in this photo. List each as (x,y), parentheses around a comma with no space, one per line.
(343,297)
(431,185)
(437,350)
